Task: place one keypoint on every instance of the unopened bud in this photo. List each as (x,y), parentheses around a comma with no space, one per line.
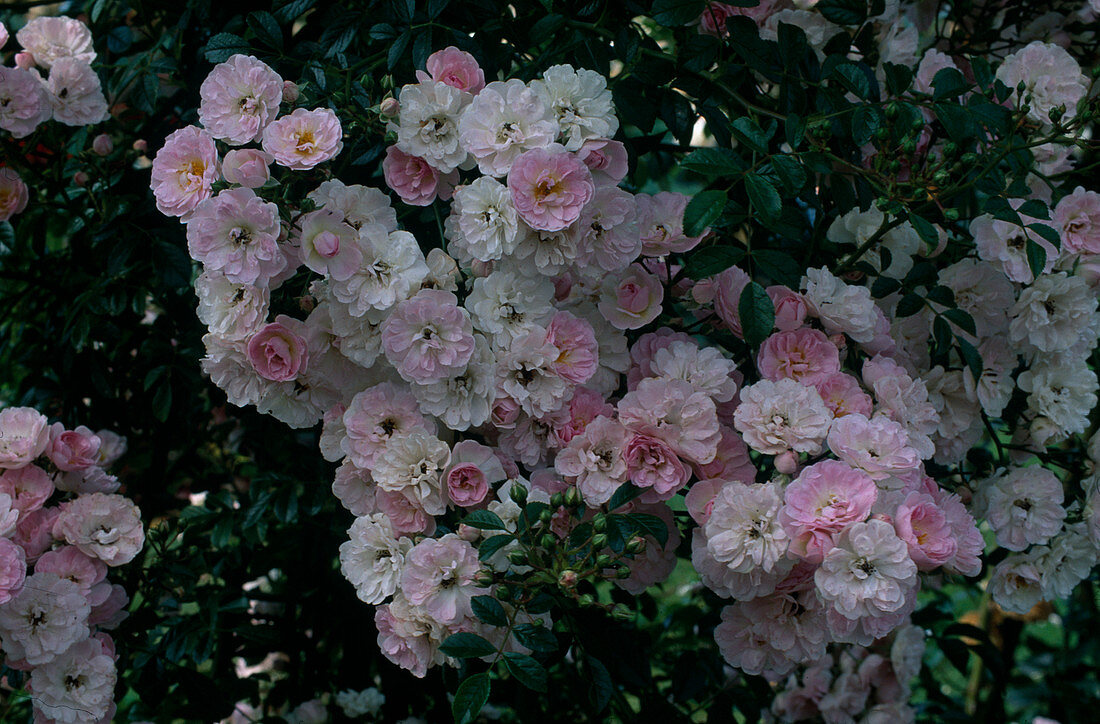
(80,178)
(786,462)
(599,523)
(290,91)
(573,497)
(599,541)
(545,516)
(102,144)
(484,578)
(622,572)
(586,599)
(567,579)
(389,107)
(622,613)
(951,214)
(24,61)
(556,500)
(604,561)
(140,145)
(518,558)
(636,544)
(518,493)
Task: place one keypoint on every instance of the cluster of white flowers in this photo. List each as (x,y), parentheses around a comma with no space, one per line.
(62,526)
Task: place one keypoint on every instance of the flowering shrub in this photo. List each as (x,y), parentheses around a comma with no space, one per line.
(62,526)
(684,359)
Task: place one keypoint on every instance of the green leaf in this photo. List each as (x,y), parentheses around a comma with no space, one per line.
(971,356)
(909,305)
(162,401)
(623,494)
(603,688)
(961,319)
(765,199)
(778,266)
(266,28)
(291,10)
(702,211)
(714,162)
(397,49)
(757,314)
(650,525)
(536,638)
(471,697)
(748,132)
(925,230)
(1036,257)
(435,7)
(1035,209)
(884,287)
(484,520)
(489,547)
(790,173)
(224,45)
(1047,233)
(865,121)
(672,13)
(489,610)
(795,129)
(843,12)
(711,260)
(527,671)
(942,295)
(852,77)
(941,332)
(464,645)
(949,83)
(898,78)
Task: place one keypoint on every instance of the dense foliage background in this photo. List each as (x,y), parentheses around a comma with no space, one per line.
(239,597)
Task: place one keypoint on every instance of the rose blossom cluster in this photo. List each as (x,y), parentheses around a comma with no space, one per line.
(525,352)
(62,526)
(69,92)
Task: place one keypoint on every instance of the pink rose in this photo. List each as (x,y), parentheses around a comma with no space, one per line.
(1077,218)
(13,569)
(714,17)
(276,353)
(247,167)
(842,394)
(73,449)
(405,515)
(329,245)
(805,355)
(604,157)
(34,532)
(184,171)
(24,435)
(414,180)
(29,488)
(466,485)
(549,189)
(102,145)
(790,308)
(239,98)
(575,339)
(455,68)
(661,224)
(428,337)
(631,300)
(304,138)
(925,529)
(727,286)
(26,104)
(823,500)
(13,194)
(652,463)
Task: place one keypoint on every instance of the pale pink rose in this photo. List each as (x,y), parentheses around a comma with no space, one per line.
(925,529)
(304,138)
(933,62)
(439,575)
(3,35)
(415,180)
(28,487)
(652,463)
(632,299)
(355,489)
(52,38)
(805,355)
(455,68)
(184,171)
(878,446)
(969,542)
(406,643)
(72,449)
(375,415)
(842,394)
(699,499)
(790,308)
(291,92)
(645,348)
(329,245)
(661,224)
(405,515)
(13,194)
(24,102)
(428,337)
(732,461)
(549,188)
(595,460)
(277,352)
(102,145)
(728,286)
(24,61)
(13,569)
(107,527)
(823,500)
(76,96)
(575,339)
(239,98)
(674,412)
(605,158)
(248,167)
(1077,219)
(584,407)
(71,563)
(714,17)
(34,532)
(236,233)
(24,435)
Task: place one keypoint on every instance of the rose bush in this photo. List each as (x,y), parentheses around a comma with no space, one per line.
(692,360)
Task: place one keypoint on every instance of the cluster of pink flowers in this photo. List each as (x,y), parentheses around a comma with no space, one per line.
(62,526)
(69,93)
(501,359)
